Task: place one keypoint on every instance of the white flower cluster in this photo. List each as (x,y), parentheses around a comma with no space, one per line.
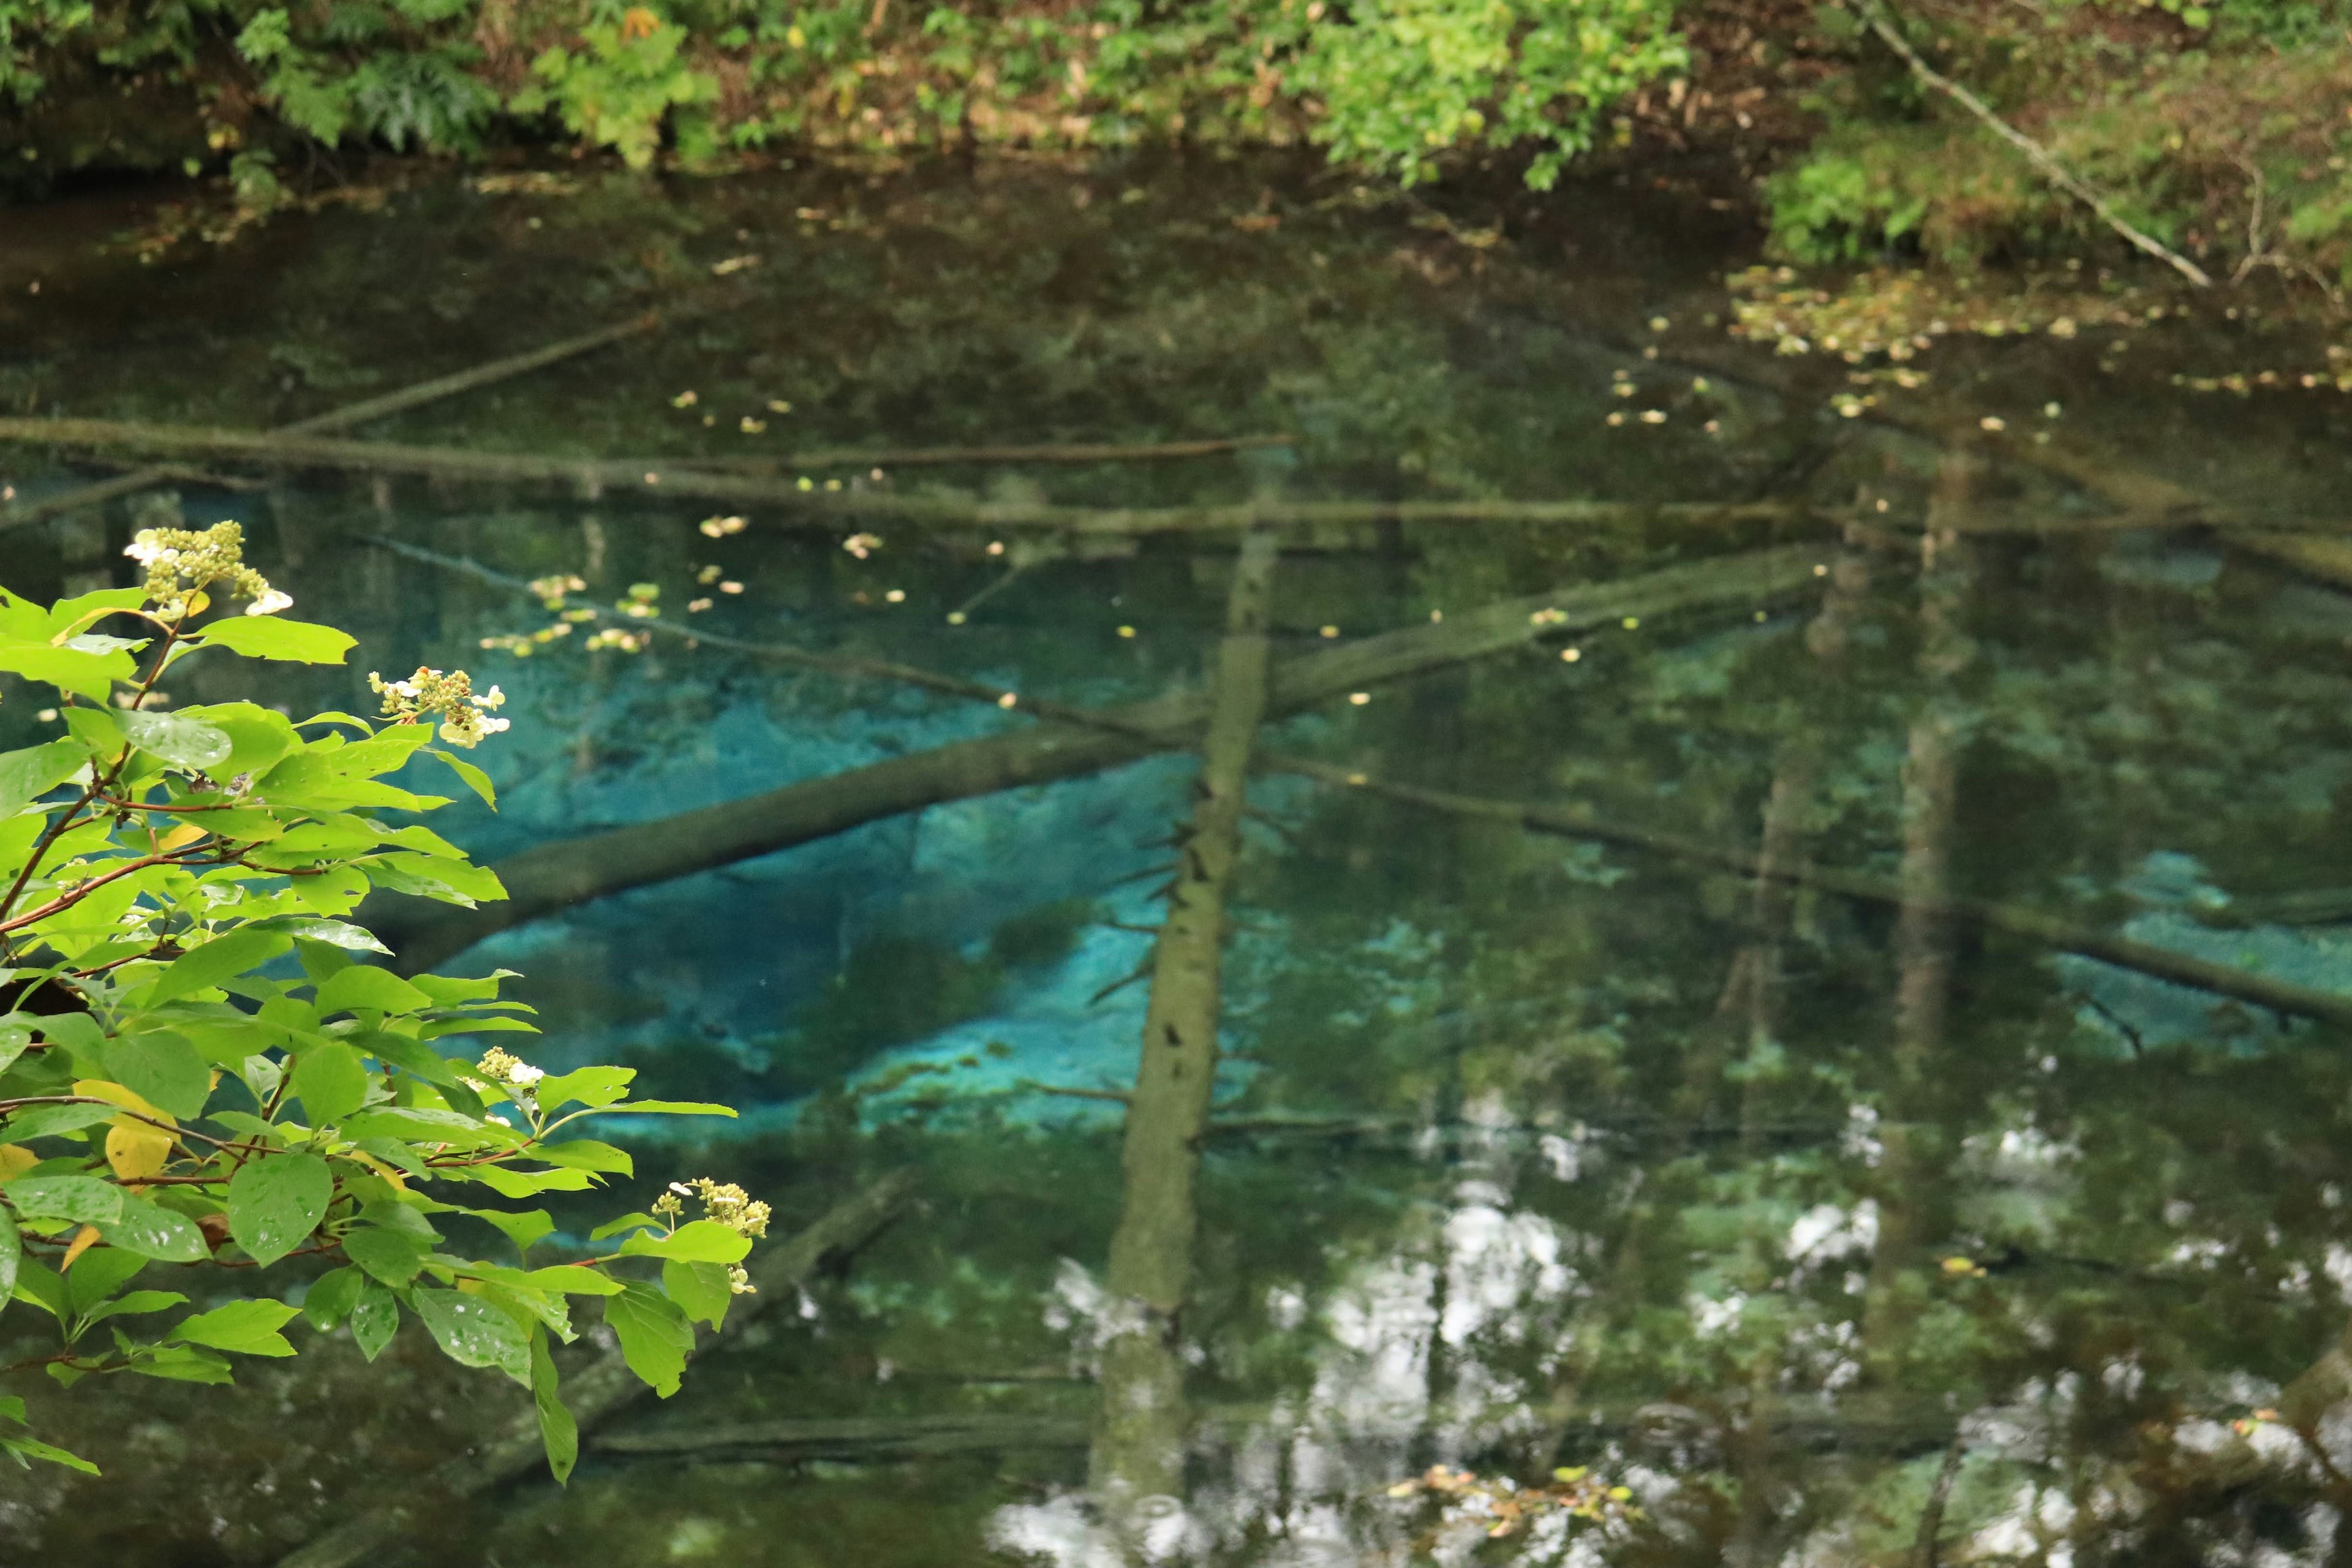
(465,714)
(182,563)
(508,1072)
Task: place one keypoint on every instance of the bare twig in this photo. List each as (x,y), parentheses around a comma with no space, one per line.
(2049,930)
(921,457)
(681,477)
(392,403)
(1875,13)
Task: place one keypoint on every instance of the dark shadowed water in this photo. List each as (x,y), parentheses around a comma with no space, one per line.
(1921,1216)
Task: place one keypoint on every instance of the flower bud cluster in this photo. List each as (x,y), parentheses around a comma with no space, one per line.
(723,1203)
(508,1070)
(181,562)
(428,694)
(551,590)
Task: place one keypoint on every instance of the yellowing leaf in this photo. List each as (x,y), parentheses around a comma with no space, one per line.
(115,1094)
(137,1151)
(15,1160)
(83,1240)
(186,833)
(398,1180)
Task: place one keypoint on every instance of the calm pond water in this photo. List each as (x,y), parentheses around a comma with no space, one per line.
(1834,1221)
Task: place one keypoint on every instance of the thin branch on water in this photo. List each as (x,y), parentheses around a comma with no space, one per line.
(1875,13)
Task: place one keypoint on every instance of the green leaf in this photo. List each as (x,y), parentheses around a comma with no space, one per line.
(331,1297)
(33,1448)
(86,1199)
(573,1279)
(163,1068)
(450,990)
(176,738)
(290,642)
(183,1365)
(673,1108)
(97,1274)
(321,961)
(222,958)
(152,1230)
(702,1290)
(98,730)
(390,1255)
(11,1253)
(411,1056)
(530,1184)
(374,1319)
(523,1229)
(405,1217)
(656,1338)
(28,774)
(557,1430)
(366,986)
(50,1120)
(15,1034)
(474,778)
(421,1123)
(42,1286)
(474,1334)
(258,738)
(332,1082)
(334,933)
(246,1328)
(276,1201)
(587,1086)
(137,1302)
(702,1241)
(85,610)
(626,1222)
(586,1154)
(91,675)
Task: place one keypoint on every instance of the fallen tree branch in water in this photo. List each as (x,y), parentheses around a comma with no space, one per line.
(926,457)
(558,875)
(856,1437)
(2040,157)
(390,403)
(605,1386)
(2049,930)
(679,477)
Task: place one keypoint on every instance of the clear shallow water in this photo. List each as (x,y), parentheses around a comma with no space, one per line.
(1535,1151)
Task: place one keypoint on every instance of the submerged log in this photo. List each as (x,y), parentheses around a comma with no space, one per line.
(2049,931)
(682,478)
(925,457)
(603,1388)
(558,875)
(390,403)
(853,1437)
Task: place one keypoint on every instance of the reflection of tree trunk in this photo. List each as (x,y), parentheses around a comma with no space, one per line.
(1750,1007)
(1922,932)
(1139,1446)
(1746,1017)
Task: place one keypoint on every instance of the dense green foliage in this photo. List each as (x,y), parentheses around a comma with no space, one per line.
(177,1093)
(2220,129)
(1390,82)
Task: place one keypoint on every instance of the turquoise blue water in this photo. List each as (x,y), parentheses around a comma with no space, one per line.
(1802,1218)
